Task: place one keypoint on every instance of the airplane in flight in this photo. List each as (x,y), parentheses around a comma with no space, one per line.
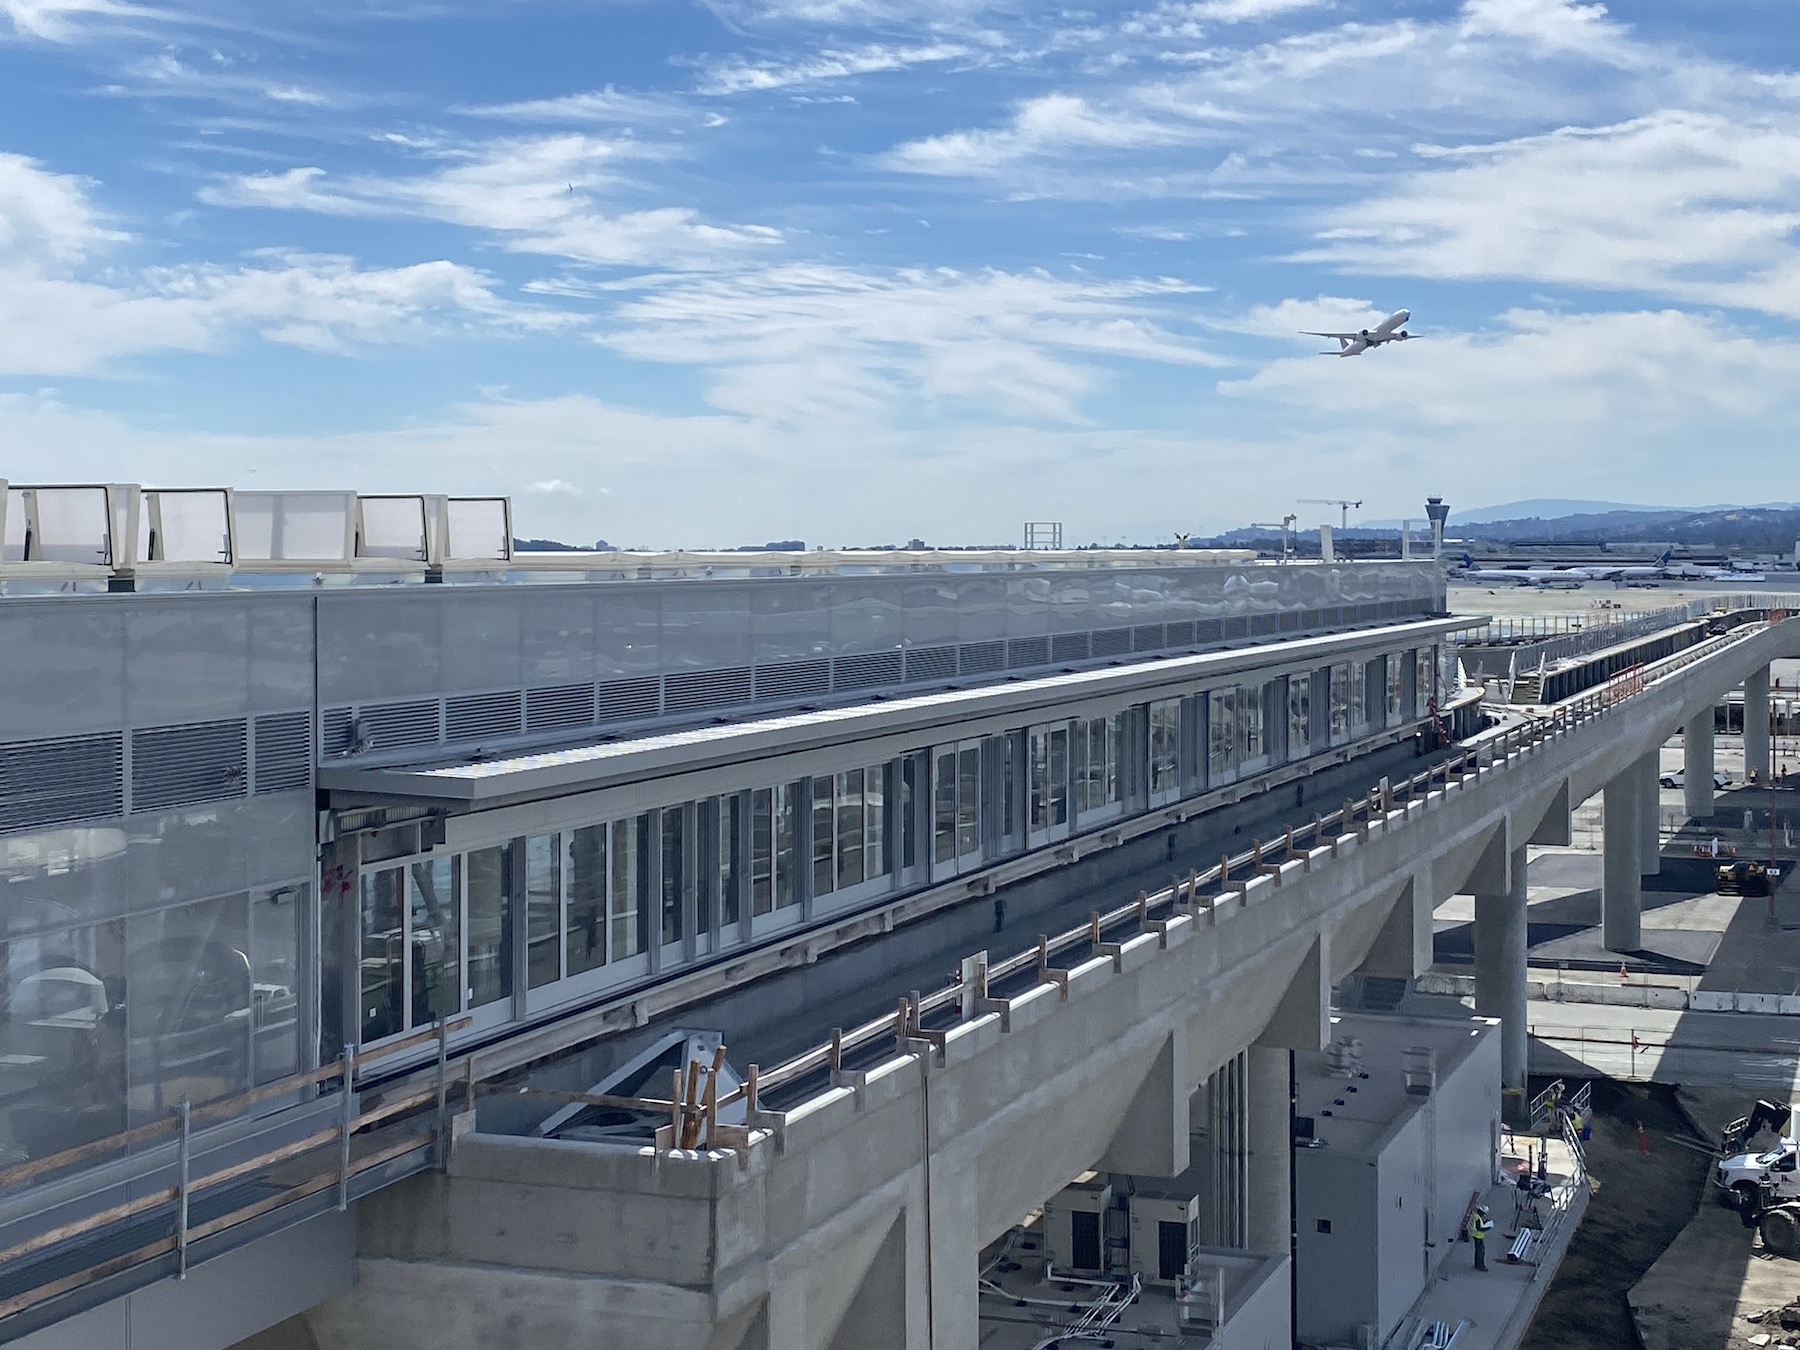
(1355,344)
(1549,578)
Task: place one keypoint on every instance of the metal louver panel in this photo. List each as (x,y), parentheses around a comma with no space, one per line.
(867,671)
(1111,641)
(977,658)
(396,726)
(624,700)
(1181,634)
(1208,631)
(693,690)
(1021,652)
(1261,625)
(283,751)
(561,705)
(1236,628)
(188,765)
(474,717)
(792,679)
(1147,637)
(930,663)
(51,782)
(1069,647)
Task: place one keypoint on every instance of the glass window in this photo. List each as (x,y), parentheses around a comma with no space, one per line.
(1340,704)
(1396,688)
(1165,746)
(762,853)
(1221,723)
(788,798)
(907,811)
(850,828)
(383,958)
(1250,721)
(824,876)
(629,874)
(674,872)
(1299,714)
(1358,675)
(187,1001)
(1038,748)
(62,1038)
(275,981)
(943,805)
(584,898)
(543,911)
(968,801)
(1426,686)
(1059,776)
(730,862)
(435,934)
(490,935)
(1012,754)
(875,820)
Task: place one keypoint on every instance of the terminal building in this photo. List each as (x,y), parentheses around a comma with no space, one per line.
(291,778)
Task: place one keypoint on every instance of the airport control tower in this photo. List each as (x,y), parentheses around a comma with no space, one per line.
(1439,513)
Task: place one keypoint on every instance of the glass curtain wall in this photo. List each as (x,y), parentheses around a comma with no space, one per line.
(1164,780)
(1047,759)
(1299,703)
(1221,735)
(1099,783)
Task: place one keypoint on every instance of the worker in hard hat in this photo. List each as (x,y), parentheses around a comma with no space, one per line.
(1479,1228)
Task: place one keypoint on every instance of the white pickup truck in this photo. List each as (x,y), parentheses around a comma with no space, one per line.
(1742,1175)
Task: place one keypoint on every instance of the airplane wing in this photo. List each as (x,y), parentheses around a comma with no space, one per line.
(1341,337)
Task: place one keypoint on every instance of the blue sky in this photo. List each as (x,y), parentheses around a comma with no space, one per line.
(858,270)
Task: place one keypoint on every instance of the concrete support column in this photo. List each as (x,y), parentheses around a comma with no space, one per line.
(1756,726)
(1270,1152)
(1650,814)
(1500,947)
(1621,890)
(1697,765)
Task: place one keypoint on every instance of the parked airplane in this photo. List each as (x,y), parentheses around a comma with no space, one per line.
(1547,577)
(1355,344)
(1635,572)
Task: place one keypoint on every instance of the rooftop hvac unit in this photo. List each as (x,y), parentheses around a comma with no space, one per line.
(1075,1223)
(1165,1229)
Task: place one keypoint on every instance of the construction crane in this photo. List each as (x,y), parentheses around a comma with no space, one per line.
(1286,527)
(1338,502)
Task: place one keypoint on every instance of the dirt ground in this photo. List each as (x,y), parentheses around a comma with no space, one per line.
(1638,1207)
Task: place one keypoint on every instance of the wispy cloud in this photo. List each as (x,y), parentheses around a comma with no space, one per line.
(1051,125)
(534,195)
(737,75)
(60,20)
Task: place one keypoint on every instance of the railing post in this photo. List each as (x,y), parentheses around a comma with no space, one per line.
(347,1119)
(443,1092)
(750,1093)
(181,1188)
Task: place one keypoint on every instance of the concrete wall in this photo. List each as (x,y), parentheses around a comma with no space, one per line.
(1337,1270)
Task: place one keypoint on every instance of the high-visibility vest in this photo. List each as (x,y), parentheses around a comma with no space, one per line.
(1479,1227)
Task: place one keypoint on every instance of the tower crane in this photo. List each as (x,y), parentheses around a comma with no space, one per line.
(1339,502)
(1286,527)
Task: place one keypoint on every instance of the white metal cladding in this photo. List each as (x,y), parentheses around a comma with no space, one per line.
(54,782)
(188,765)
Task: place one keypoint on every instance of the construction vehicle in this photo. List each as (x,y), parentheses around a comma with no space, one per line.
(1765,1115)
(1775,1216)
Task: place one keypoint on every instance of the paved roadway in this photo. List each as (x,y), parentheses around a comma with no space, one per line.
(1758,1053)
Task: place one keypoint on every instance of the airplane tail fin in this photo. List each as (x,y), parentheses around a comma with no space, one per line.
(1468,563)
(1663,561)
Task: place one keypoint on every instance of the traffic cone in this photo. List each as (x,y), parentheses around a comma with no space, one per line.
(1643,1141)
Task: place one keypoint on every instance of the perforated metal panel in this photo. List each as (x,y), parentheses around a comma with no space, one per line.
(1069,647)
(930,663)
(792,679)
(1180,634)
(692,690)
(283,752)
(868,671)
(477,717)
(1111,641)
(55,781)
(978,658)
(1262,625)
(562,705)
(188,765)
(1147,637)
(624,700)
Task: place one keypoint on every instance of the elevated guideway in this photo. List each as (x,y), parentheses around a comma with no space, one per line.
(873,1167)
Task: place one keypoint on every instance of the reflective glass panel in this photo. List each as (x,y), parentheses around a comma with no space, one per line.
(968,801)
(762,858)
(823,875)
(543,911)
(788,798)
(943,804)
(383,961)
(490,936)
(187,995)
(875,851)
(850,828)
(435,932)
(674,872)
(275,981)
(584,896)
(627,865)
